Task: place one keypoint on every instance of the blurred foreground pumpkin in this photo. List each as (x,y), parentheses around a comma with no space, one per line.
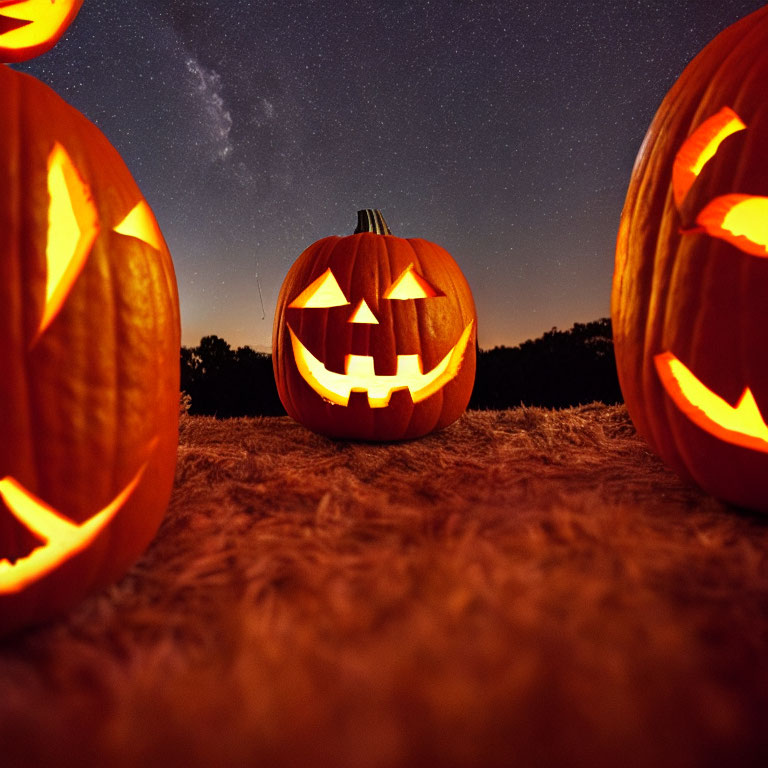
(374,336)
(30,27)
(690,290)
(89,332)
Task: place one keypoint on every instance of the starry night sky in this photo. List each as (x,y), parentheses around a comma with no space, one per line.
(504,131)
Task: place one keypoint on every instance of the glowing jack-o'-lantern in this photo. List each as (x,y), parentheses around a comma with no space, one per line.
(374,336)
(690,292)
(30,27)
(89,333)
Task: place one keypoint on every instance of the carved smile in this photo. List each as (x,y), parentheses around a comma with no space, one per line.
(63,538)
(359,374)
(741,424)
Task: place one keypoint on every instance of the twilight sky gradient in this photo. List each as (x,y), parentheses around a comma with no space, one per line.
(505,131)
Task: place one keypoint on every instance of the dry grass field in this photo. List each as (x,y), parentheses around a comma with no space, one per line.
(526,588)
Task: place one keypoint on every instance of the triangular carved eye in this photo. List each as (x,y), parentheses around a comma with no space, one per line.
(411,285)
(323,292)
(141,224)
(73,224)
(699,148)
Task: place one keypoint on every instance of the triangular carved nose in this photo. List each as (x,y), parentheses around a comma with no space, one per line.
(363,314)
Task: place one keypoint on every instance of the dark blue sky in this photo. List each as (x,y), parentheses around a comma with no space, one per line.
(504,131)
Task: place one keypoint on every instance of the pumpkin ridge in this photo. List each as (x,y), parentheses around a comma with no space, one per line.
(441,265)
(393,247)
(436,400)
(25,112)
(382,240)
(465,319)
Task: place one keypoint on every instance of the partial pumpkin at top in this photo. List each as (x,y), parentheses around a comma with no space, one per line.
(690,292)
(29,28)
(374,336)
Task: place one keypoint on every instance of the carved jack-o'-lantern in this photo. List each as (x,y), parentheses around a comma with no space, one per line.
(690,293)
(30,27)
(374,336)
(89,333)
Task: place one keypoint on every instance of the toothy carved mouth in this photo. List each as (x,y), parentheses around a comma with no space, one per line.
(359,374)
(741,424)
(63,538)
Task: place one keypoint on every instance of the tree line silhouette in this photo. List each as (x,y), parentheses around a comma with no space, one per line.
(557,370)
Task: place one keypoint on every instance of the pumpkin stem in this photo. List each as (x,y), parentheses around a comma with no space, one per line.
(371,220)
